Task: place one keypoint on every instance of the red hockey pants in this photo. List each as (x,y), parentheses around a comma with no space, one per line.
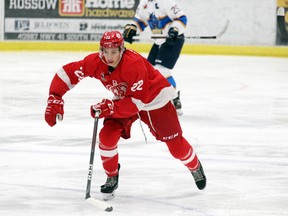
(163,124)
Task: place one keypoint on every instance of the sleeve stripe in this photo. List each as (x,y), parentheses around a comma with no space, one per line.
(182,19)
(65,78)
(140,23)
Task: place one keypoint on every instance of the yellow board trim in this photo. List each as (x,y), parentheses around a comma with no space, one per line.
(277,51)
(282,3)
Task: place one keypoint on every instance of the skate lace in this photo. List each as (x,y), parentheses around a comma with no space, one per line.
(111,181)
(198,175)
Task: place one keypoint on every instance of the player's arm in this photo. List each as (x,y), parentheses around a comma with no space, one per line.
(64,80)
(137,25)
(179,18)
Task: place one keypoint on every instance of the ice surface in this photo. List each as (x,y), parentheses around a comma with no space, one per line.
(235,116)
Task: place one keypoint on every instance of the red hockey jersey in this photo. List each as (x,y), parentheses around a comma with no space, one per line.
(135,83)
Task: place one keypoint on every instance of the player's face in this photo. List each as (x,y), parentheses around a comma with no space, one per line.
(112,56)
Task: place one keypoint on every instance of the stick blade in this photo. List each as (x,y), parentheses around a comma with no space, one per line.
(100,204)
(224,29)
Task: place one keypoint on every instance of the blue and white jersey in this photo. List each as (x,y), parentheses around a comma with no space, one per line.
(160,16)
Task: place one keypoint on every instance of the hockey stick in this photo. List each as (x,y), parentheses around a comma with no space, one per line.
(192,37)
(98,203)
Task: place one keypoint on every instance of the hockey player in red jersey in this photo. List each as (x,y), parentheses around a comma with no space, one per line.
(140,91)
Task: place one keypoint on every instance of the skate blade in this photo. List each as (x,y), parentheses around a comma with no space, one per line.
(108,196)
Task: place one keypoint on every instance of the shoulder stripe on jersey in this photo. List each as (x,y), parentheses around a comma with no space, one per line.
(65,78)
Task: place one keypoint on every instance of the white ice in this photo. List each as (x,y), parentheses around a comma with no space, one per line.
(235,116)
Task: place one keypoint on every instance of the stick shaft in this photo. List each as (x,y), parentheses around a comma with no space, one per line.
(91,162)
(137,38)
(188,37)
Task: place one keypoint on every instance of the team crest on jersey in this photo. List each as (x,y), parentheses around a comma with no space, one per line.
(118,89)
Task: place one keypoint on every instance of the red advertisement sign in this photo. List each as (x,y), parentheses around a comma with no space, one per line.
(71,7)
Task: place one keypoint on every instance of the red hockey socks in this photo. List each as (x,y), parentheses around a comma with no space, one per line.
(182,150)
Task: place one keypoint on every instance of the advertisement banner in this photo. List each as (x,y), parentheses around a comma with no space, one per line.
(71,20)
(282,22)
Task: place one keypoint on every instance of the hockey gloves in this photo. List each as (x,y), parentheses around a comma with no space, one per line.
(54,110)
(105,108)
(173,33)
(129,32)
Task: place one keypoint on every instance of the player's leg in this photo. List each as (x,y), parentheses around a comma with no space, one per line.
(109,136)
(177,148)
(108,145)
(153,54)
(165,61)
(165,126)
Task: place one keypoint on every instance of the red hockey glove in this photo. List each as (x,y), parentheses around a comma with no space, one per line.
(54,110)
(105,108)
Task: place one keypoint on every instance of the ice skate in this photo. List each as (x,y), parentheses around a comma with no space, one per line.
(199,177)
(111,184)
(177,104)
